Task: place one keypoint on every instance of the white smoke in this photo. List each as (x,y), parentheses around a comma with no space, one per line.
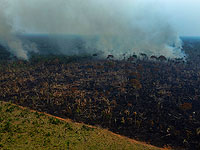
(8,37)
(120,26)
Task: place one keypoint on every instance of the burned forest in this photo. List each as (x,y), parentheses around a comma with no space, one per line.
(148,98)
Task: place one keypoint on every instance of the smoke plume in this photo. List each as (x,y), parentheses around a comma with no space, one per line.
(8,36)
(110,26)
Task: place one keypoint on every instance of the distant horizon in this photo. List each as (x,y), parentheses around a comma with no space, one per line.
(194,36)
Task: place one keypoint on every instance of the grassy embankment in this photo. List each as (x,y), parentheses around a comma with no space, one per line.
(25,129)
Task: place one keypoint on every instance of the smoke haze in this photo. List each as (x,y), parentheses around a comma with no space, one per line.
(6,37)
(110,26)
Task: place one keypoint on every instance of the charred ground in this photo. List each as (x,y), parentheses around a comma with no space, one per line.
(151,99)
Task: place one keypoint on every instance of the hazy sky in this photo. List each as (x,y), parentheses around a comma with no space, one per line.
(126,26)
(184,15)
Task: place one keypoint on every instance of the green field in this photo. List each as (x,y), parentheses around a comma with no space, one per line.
(26,129)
